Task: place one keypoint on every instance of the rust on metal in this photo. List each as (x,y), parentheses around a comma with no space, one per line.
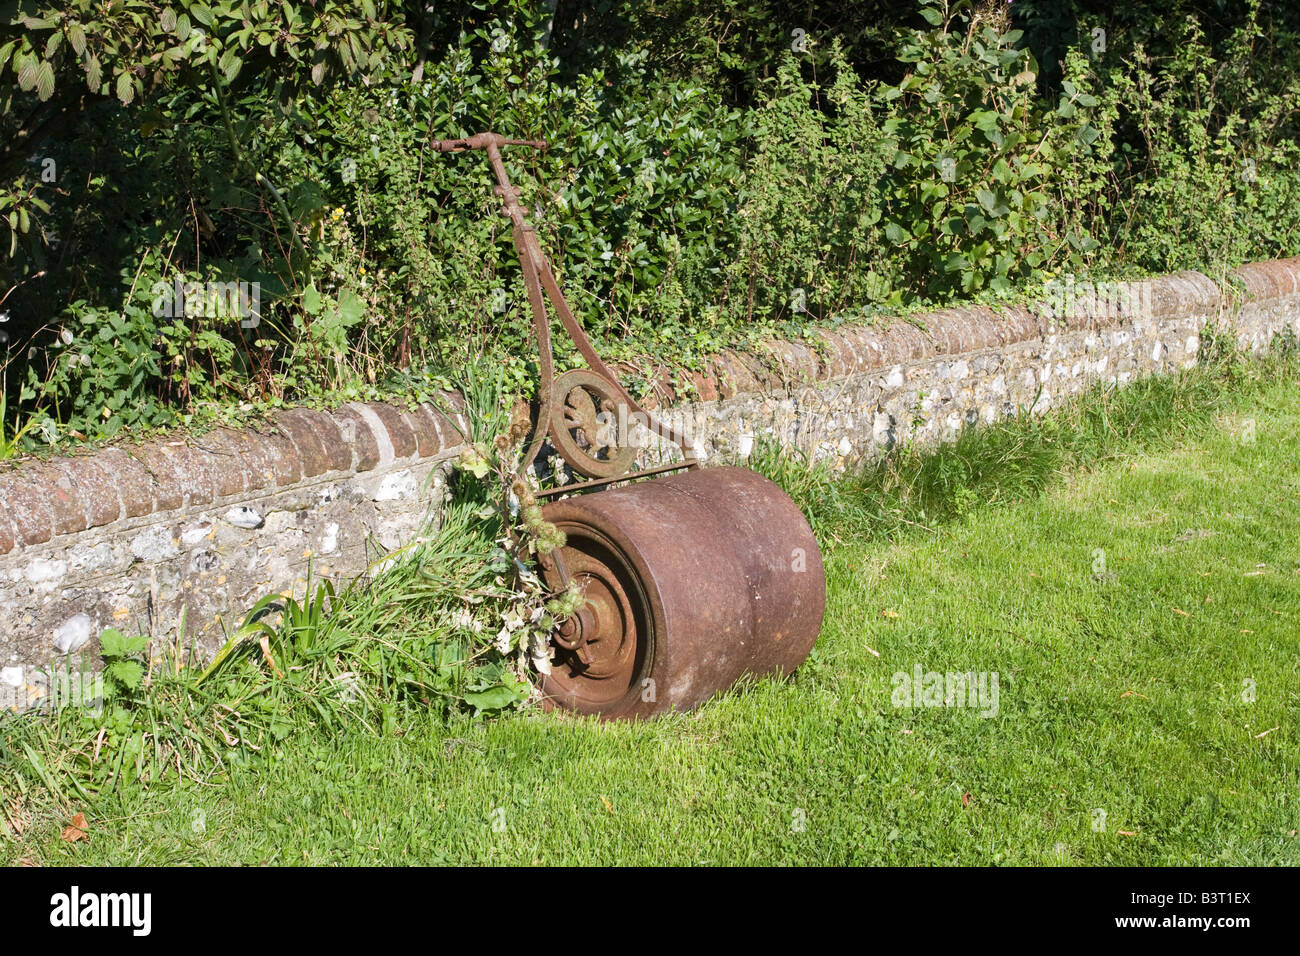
(690,580)
(698,578)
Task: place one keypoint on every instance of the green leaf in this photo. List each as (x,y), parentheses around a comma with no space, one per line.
(351,309)
(77,37)
(494,698)
(127,673)
(114,644)
(27,75)
(230,64)
(312,300)
(45,81)
(125,91)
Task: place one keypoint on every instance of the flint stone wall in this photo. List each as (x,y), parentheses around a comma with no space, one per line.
(141,537)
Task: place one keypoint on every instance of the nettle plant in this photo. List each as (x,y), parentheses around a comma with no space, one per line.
(972,197)
(809,217)
(1218,184)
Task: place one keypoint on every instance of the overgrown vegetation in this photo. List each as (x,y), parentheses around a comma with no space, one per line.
(719,172)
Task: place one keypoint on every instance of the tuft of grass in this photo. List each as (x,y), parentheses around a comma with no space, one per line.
(365,657)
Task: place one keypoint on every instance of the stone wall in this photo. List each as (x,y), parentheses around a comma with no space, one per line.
(137,536)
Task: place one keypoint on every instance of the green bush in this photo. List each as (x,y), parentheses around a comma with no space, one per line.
(689,203)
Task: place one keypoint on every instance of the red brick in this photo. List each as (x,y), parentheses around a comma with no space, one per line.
(337,451)
(229,462)
(421,422)
(69,516)
(399,433)
(8,538)
(29,507)
(193,469)
(131,481)
(311,450)
(364,445)
(165,478)
(95,487)
(283,458)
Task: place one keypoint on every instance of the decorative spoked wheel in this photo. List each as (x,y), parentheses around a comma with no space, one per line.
(603,650)
(585,425)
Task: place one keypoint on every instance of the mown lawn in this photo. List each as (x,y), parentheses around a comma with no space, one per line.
(1143,619)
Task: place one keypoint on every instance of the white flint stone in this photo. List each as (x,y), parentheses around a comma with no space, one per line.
(195,535)
(72,633)
(397,486)
(244,517)
(153,544)
(329,541)
(43,569)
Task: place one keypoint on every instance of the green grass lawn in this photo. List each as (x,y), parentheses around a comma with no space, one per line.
(1142,617)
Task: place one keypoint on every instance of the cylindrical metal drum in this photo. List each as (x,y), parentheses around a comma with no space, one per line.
(691,581)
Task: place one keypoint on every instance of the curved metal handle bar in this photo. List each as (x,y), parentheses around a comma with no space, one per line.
(542,285)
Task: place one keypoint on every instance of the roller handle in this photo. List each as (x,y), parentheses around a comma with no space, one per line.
(483,141)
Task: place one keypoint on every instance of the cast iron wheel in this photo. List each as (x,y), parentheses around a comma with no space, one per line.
(603,652)
(586,424)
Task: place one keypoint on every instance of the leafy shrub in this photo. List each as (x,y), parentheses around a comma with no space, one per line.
(689,205)
(810,235)
(1218,185)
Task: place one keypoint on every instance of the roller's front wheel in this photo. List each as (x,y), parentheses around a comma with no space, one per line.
(601,662)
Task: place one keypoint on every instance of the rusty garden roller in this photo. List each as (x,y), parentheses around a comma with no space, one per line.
(691,578)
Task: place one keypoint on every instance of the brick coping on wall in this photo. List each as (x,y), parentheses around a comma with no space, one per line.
(41,500)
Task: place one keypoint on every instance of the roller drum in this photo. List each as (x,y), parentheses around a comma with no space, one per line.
(691,581)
